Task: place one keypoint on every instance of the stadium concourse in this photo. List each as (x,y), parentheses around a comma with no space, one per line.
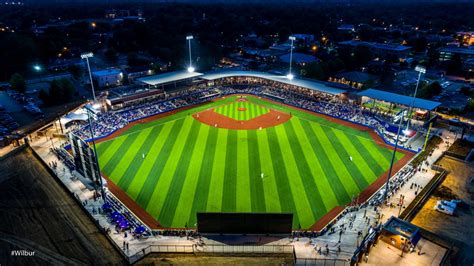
(311,96)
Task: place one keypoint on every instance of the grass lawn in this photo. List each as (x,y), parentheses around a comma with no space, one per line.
(190,167)
(241,110)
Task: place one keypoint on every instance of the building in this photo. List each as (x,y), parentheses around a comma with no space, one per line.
(355,79)
(465,38)
(346,28)
(304,38)
(381,50)
(298,58)
(400,234)
(131,73)
(107,77)
(447,53)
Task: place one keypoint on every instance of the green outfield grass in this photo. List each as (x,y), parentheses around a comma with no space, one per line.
(232,110)
(190,167)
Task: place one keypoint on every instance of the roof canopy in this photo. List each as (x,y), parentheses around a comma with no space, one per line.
(304,83)
(400,99)
(170,77)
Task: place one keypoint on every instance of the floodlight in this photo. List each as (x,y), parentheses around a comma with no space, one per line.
(87,55)
(420,69)
(290,76)
(189,37)
(292,38)
(191,69)
(37,67)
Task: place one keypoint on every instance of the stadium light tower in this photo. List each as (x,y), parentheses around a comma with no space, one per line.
(91,113)
(387,185)
(190,67)
(290,75)
(86,56)
(421,70)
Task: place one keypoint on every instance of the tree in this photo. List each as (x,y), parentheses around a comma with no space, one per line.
(362,55)
(454,65)
(314,70)
(111,55)
(18,82)
(60,91)
(429,90)
(76,71)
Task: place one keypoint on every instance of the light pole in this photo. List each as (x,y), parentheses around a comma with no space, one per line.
(190,67)
(87,56)
(393,155)
(91,113)
(420,70)
(38,69)
(290,75)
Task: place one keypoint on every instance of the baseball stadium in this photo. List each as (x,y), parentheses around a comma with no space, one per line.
(242,142)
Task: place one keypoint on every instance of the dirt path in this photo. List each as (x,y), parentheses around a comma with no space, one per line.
(37,214)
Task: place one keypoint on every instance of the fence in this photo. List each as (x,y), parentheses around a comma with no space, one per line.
(217,249)
(329,262)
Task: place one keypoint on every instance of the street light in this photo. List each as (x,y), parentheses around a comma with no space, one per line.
(420,70)
(190,67)
(86,56)
(38,69)
(290,75)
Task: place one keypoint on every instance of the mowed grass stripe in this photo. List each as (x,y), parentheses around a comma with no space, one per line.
(344,156)
(295,179)
(111,150)
(154,174)
(374,151)
(254,173)
(168,209)
(115,159)
(216,187)
(270,188)
(138,161)
(361,160)
(311,188)
(165,167)
(204,179)
(103,146)
(135,160)
(243,196)
(323,159)
(144,170)
(281,176)
(374,163)
(349,185)
(129,154)
(189,189)
(230,174)
(318,175)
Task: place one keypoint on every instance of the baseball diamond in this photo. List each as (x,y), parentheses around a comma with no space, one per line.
(176,165)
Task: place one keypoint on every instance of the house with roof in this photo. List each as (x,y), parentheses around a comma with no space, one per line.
(107,77)
(381,50)
(298,58)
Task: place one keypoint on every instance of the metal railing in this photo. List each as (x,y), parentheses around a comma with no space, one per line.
(218,249)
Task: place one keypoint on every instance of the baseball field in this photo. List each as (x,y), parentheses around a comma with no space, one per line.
(242,154)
